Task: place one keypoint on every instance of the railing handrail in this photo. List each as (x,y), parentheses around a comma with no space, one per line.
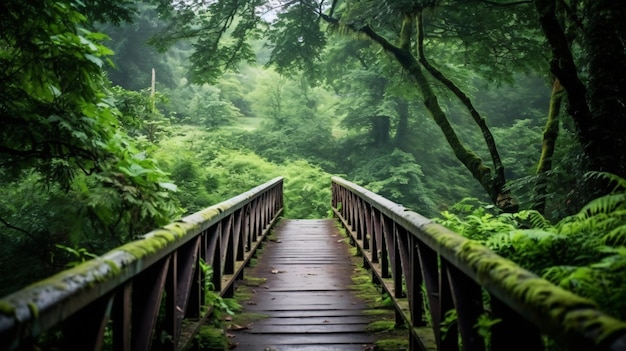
(570,319)
(231,228)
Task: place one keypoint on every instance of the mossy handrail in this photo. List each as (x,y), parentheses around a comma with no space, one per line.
(405,250)
(153,286)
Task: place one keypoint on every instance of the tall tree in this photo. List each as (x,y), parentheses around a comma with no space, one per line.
(587,41)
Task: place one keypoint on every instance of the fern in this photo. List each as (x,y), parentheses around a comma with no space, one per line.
(620,183)
(616,237)
(534,219)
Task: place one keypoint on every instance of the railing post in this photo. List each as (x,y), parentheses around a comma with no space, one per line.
(146,300)
(512,333)
(468,301)
(85,329)
(121,316)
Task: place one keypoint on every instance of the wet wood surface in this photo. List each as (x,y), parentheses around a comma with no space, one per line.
(307,296)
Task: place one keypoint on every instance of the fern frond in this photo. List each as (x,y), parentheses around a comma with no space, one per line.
(536,220)
(499,241)
(605,204)
(521,238)
(556,274)
(616,237)
(620,183)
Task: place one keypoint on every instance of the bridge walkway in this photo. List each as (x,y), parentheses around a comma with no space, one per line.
(307,296)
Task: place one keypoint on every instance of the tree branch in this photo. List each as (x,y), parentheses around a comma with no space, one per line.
(23,231)
(465,100)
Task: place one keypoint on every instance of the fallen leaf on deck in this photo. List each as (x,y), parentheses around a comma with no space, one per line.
(236,327)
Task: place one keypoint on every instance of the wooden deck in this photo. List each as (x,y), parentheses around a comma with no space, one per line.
(307,296)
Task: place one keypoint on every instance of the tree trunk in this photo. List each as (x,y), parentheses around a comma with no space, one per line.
(598,109)
(550,134)
(605,37)
(381,126)
(401,139)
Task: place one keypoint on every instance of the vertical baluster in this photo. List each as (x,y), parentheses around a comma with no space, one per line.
(195,300)
(85,329)
(121,315)
(214,254)
(513,332)
(228,246)
(237,237)
(187,269)
(451,339)
(430,271)
(384,249)
(374,232)
(404,261)
(146,300)
(416,299)
(468,301)
(170,322)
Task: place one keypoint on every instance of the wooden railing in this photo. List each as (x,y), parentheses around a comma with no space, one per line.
(410,256)
(150,293)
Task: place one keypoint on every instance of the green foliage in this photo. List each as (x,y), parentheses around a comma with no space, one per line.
(483,325)
(139,116)
(211,339)
(54,114)
(71,177)
(583,253)
(221,43)
(208,169)
(296,39)
(397,177)
(79,254)
(212,298)
(206,107)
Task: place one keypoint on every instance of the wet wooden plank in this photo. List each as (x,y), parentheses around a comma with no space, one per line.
(307,295)
(310,320)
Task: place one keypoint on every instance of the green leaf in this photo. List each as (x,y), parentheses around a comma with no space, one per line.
(169,186)
(96,60)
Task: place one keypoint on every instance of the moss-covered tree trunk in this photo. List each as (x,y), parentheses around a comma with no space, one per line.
(598,109)
(550,134)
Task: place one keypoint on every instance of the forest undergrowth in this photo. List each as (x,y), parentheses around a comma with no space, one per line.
(584,253)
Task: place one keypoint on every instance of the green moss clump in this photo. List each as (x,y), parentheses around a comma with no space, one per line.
(391,345)
(7,308)
(253,281)
(115,269)
(34,310)
(211,339)
(381,326)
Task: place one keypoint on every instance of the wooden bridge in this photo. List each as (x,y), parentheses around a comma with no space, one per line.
(151,294)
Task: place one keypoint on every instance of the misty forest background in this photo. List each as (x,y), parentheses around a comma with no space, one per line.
(501,119)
